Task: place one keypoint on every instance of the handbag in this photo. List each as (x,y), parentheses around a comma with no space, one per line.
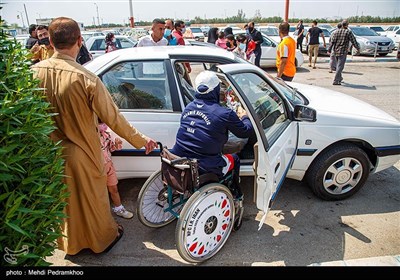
(177,172)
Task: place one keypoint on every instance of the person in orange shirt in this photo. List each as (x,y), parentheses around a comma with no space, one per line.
(286,54)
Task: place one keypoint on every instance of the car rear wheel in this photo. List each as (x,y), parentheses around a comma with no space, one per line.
(338,172)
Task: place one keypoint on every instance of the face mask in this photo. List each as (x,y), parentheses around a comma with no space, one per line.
(167,32)
(44,41)
(183,30)
(103,127)
(250,29)
(242,46)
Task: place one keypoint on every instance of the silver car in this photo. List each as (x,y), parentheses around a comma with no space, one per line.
(370,41)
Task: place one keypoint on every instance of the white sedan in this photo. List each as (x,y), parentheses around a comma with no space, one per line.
(330,139)
(97,45)
(268,51)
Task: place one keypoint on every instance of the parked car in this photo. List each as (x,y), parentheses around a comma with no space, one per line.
(194,33)
(327,26)
(395,36)
(303,131)
(321,48)
(97,45)
(370,41)
(377,29)
(205,30)
(271,31)
(391,29)
(268,53)
(87,34)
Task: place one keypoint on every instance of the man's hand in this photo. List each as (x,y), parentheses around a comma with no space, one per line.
(117,141)
(241,112)
(150,145)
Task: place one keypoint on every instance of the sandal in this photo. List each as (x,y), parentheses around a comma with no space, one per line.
(120,233)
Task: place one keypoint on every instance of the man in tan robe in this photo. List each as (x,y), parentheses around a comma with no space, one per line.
(79,98)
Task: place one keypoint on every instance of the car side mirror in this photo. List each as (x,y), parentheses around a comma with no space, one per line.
(304,113)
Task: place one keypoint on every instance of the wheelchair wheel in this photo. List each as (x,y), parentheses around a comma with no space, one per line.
(152,202)
(205,223)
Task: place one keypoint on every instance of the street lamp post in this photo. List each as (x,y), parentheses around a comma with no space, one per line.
(22,18)
(98,18)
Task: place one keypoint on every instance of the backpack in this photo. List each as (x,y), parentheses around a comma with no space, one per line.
(84,55)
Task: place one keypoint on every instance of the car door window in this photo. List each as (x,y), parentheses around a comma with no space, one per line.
(267,104)
(124,43)
(139,85)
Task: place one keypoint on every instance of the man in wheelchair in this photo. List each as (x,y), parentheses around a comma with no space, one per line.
(204,129)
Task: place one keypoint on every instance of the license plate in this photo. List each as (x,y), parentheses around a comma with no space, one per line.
(383,48)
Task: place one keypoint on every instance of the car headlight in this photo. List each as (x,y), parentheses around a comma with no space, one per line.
(369,43)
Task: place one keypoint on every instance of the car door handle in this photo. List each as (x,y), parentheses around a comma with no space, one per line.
(277,167)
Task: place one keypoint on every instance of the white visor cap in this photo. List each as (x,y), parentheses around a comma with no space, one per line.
(206,81)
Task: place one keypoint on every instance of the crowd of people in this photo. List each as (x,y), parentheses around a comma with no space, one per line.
(84,110)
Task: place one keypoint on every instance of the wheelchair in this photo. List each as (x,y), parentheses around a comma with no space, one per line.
(204,207)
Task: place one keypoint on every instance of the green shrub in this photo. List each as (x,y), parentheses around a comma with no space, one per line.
(32,192)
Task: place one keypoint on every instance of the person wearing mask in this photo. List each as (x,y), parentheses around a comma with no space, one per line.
(212,35)
(180,29)
(169,27)
(42,49)
(339,45)
(110,42)
(300,35)
(156,38)
(230,42)
(32,37)
(78,98)
(204,128)
(240,50)
(286,54)
(257,38)
(313,45)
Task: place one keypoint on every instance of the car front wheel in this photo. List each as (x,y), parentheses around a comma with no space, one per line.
(338,172)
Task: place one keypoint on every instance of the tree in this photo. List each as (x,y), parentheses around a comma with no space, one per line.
(31,168)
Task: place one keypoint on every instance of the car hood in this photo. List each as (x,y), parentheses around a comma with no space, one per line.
(339,107)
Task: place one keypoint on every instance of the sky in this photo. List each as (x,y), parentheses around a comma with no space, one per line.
(118,11)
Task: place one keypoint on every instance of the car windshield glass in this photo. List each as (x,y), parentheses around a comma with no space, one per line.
(293,96)
(270,31)
(363,31)
(377,28)
(196,30)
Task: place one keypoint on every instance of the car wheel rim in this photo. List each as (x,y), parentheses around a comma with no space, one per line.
(342,176)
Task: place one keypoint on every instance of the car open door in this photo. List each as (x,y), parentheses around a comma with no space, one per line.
(276,132)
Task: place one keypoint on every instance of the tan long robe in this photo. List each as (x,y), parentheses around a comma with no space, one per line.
(78,96)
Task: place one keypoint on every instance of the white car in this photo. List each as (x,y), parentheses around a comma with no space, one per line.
(268,53)
(330,139)
(194,33)
(271,31)
(395,36)
(97,44)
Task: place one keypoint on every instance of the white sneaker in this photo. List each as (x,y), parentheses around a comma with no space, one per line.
(124,213)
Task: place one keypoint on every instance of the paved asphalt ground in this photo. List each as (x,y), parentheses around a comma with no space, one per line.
(300,230)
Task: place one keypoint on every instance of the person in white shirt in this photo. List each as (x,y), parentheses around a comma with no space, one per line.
(156,38)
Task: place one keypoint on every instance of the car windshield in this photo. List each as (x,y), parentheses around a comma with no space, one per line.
(270,31)
(377,28)
(363,31)
(290,93)
(196,30)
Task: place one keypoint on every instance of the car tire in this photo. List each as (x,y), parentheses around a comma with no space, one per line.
(339,172)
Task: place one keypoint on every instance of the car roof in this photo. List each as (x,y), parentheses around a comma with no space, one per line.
(157,53)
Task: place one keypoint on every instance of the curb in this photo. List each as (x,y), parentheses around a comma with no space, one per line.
(374,261)
(326,60)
